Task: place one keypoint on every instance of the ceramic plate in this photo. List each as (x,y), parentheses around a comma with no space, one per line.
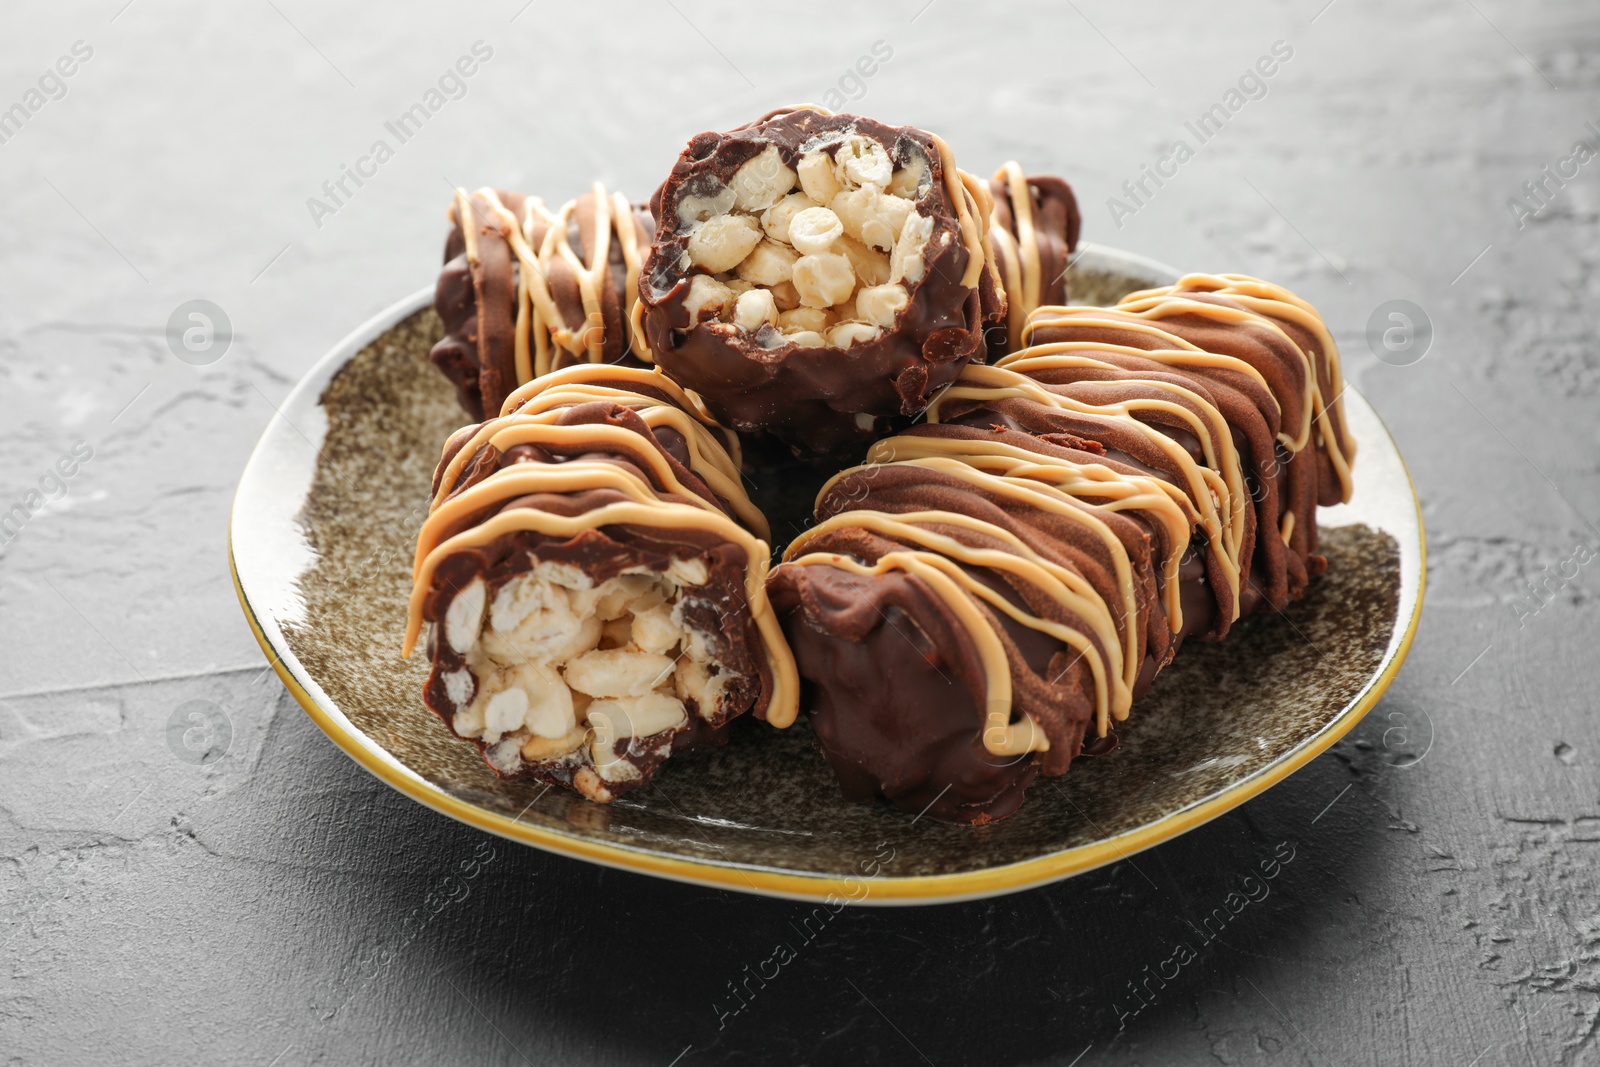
(321,541)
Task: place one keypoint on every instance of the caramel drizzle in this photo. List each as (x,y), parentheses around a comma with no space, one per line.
(1000,736)
(1089,485)
(1023,274)
(973,206)
(1268,301)
(541,329)
(1177,353)
(1220,452)
(1074,491)
(942,562)
(652,513)
(534,423)
(1156,308)
(1214,489)
(539,404)
(654,379)
(1071,590)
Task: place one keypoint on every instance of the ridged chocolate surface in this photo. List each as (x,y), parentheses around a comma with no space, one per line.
(479,298)
(903,708)
(1033,232)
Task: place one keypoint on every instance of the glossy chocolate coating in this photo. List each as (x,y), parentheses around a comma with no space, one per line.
(895,690)
(479,307)
(718,608)
(897,699)
(1280,483)
(818,399)
(1056,223)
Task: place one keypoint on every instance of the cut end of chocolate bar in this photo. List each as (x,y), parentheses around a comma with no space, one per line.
(817,256)
(817,275)
(596,600)
(582,682)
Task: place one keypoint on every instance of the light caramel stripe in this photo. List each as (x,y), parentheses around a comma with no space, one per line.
(606,377)
(618,440)
(1047,316)
(1008,271)
(1221,454)
(641,345)
(1207,489)
(1070,588)
(538,400)
(1066,587)
(476,440)
(509,483)
(710,462)
(539,323)
(707,457)
(533,284)
(531,417)
(515,432)
(1174,304)
(1023,287)
(973,206)
(1042,497)
(652,515)
(1267,299)
(510,433)
(568,395)
(1107,490)
(507,432)
(533,209)
(557,243)
(1177,353)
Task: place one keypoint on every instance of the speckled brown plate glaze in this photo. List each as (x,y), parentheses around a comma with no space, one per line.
(322,537)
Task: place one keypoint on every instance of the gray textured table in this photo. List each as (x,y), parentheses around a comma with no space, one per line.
(279,906)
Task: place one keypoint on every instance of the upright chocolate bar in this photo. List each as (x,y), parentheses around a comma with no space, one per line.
(525,290)
(818,276)
(1034,232)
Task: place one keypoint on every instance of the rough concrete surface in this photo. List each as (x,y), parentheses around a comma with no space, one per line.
(281,907)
